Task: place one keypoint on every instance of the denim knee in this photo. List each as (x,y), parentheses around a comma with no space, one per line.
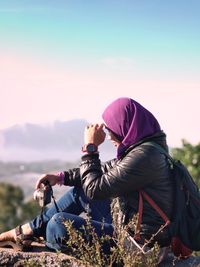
(56,233)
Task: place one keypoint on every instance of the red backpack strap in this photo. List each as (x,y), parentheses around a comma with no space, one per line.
(139,222)
(140,212)
(156,207)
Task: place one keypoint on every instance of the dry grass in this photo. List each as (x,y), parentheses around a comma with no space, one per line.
(87,247)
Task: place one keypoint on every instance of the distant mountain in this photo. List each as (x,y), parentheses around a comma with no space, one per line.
(59,140)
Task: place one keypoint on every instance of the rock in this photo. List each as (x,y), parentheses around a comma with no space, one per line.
(170,261)
(42,257)
(38,257)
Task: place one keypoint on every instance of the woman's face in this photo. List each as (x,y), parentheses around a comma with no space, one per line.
(113,138)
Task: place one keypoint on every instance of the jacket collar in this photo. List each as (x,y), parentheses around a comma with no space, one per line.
(159,138)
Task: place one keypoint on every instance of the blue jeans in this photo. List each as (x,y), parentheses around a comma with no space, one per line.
(71,205)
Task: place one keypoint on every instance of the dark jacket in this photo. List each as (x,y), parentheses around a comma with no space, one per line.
(142,167)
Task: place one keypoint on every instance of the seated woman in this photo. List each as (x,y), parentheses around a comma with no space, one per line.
(138,166)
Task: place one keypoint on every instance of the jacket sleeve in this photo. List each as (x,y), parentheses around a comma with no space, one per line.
(72,176)
(106,166)
(133,172)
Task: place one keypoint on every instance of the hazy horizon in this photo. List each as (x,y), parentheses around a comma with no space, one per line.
(68,60)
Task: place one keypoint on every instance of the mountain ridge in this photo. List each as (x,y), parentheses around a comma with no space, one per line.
(59,140)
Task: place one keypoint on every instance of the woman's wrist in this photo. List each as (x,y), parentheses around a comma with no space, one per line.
(90,148)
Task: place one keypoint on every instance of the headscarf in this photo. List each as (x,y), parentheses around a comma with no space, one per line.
(130,122)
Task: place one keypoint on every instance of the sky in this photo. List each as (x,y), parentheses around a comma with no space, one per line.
(68,59)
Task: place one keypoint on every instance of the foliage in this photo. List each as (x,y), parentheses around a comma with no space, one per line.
(11,198)
(30,209)
(190,156)
(88,248)
(13,209)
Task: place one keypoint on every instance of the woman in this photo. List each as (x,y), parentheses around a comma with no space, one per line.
(138,166)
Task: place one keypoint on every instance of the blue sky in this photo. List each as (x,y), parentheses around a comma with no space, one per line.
(153,29)
(62,59)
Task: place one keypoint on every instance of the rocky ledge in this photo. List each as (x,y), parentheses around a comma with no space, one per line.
(39,256)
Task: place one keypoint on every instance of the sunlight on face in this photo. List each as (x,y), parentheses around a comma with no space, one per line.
(112,137)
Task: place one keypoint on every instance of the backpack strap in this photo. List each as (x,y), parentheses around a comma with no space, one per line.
(139,221)
(142,194)
(156,207)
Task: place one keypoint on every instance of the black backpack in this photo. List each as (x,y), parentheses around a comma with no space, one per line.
(184,226)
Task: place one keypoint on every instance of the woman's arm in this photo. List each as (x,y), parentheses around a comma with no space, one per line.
(70,177)
(135,171)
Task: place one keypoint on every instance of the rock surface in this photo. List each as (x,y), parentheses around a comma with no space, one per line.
(40,257)
(172,262)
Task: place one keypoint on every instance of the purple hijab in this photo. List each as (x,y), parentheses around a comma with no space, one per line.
(130,122)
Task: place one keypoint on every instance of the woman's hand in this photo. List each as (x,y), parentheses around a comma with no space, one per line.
(53,179)
(94,134)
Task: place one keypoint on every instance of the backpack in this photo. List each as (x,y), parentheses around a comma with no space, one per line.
(184,226)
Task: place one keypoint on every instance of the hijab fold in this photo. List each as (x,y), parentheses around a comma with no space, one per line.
(130,122)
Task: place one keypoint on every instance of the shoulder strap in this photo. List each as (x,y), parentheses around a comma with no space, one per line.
(162,214)
(142,193)
(156,207)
